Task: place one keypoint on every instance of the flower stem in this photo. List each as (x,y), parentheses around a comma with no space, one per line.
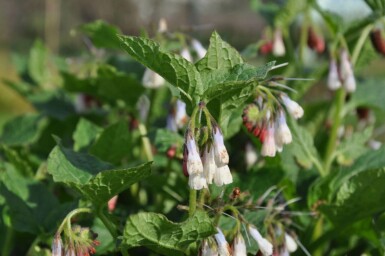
(111,228)
(332,142)
(192,202)
(67,219)
(146,142)
(8,242)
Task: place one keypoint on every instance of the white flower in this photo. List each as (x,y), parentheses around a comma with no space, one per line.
(194,163)
(57,246)
(220,152)
(350,83)
(151,79)
(268,146)
(374,144)
(333,79)
(162,26)
(239,246)
(282,131)
(197,181)
(180,114)
(291,245)
(264,246)
(223,246)
(222,176)
(292,107)
(208,248)
(171,123)
(80,103)
(278,45)
(209,166)
(185,53)
(199,49)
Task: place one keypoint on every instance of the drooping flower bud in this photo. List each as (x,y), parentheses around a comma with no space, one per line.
(278,44)
(350,83)
(334,82)
(292,107)
(171,123)
(378,41)
(315,41)
(347,74)
(162,26)
(268,146)
(57,246)
(220,152)
(239,246)
(266,48)
(291,245)
(264,245)
(209,166)
(152,80)
(223,246)
(112,203)
(282,131)
(194,163)
(199,49)
(222,176)
(185,53)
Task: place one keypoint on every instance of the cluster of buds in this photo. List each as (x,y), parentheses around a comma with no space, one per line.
(177,117)
(342,76)
(220,247)
(378,41)
(275,45)
(78,241)
(315,41)
(270,126)
(207,163)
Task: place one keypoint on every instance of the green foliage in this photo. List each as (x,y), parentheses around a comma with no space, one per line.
(163,236)
(94,179)
(102,34)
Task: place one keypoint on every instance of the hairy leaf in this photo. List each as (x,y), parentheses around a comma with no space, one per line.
(102,34)
(85,134)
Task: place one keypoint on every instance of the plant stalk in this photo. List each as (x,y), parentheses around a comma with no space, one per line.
(111,228)
(146,142)
(192,202)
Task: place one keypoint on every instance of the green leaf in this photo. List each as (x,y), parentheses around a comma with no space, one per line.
(302,147)
(159,234)
(113,144)
(85,134)
(102,34)
(370,93)
(37,62)
(23,130)
(220,55)
(353,147)
(174,68)
(33,208)
(164,139)
(289,12)
(94,179)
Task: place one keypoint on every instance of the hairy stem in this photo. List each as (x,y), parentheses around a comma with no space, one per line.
(111,227)
(146,142)
(192,202)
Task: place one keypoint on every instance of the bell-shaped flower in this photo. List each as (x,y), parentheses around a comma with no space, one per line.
(209,166)
(292,107)
(180,113)
(264,245)
(185,53)
(350,83)
(269,146)
(197,181)
(333,78)
(220,152)
(239,246)
(57,246)
(152,80)
(278,44)
(222,176)
(208,248)
(282,131)
(194,163)
(291,245)
(223,246)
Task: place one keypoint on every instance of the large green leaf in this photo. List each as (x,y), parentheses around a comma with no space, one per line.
(370,93)
(164,139)
(33,208)
(102,34)
(94,179)
(113,144)
(37,63)
(23,130)
(156,232)
(174,68)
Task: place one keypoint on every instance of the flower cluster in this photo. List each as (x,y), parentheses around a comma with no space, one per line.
(269,125)
(342,76)
(275,45)
(219,245)
(78,241)
(211,165)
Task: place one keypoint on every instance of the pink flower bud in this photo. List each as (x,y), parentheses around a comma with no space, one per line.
(268,146)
